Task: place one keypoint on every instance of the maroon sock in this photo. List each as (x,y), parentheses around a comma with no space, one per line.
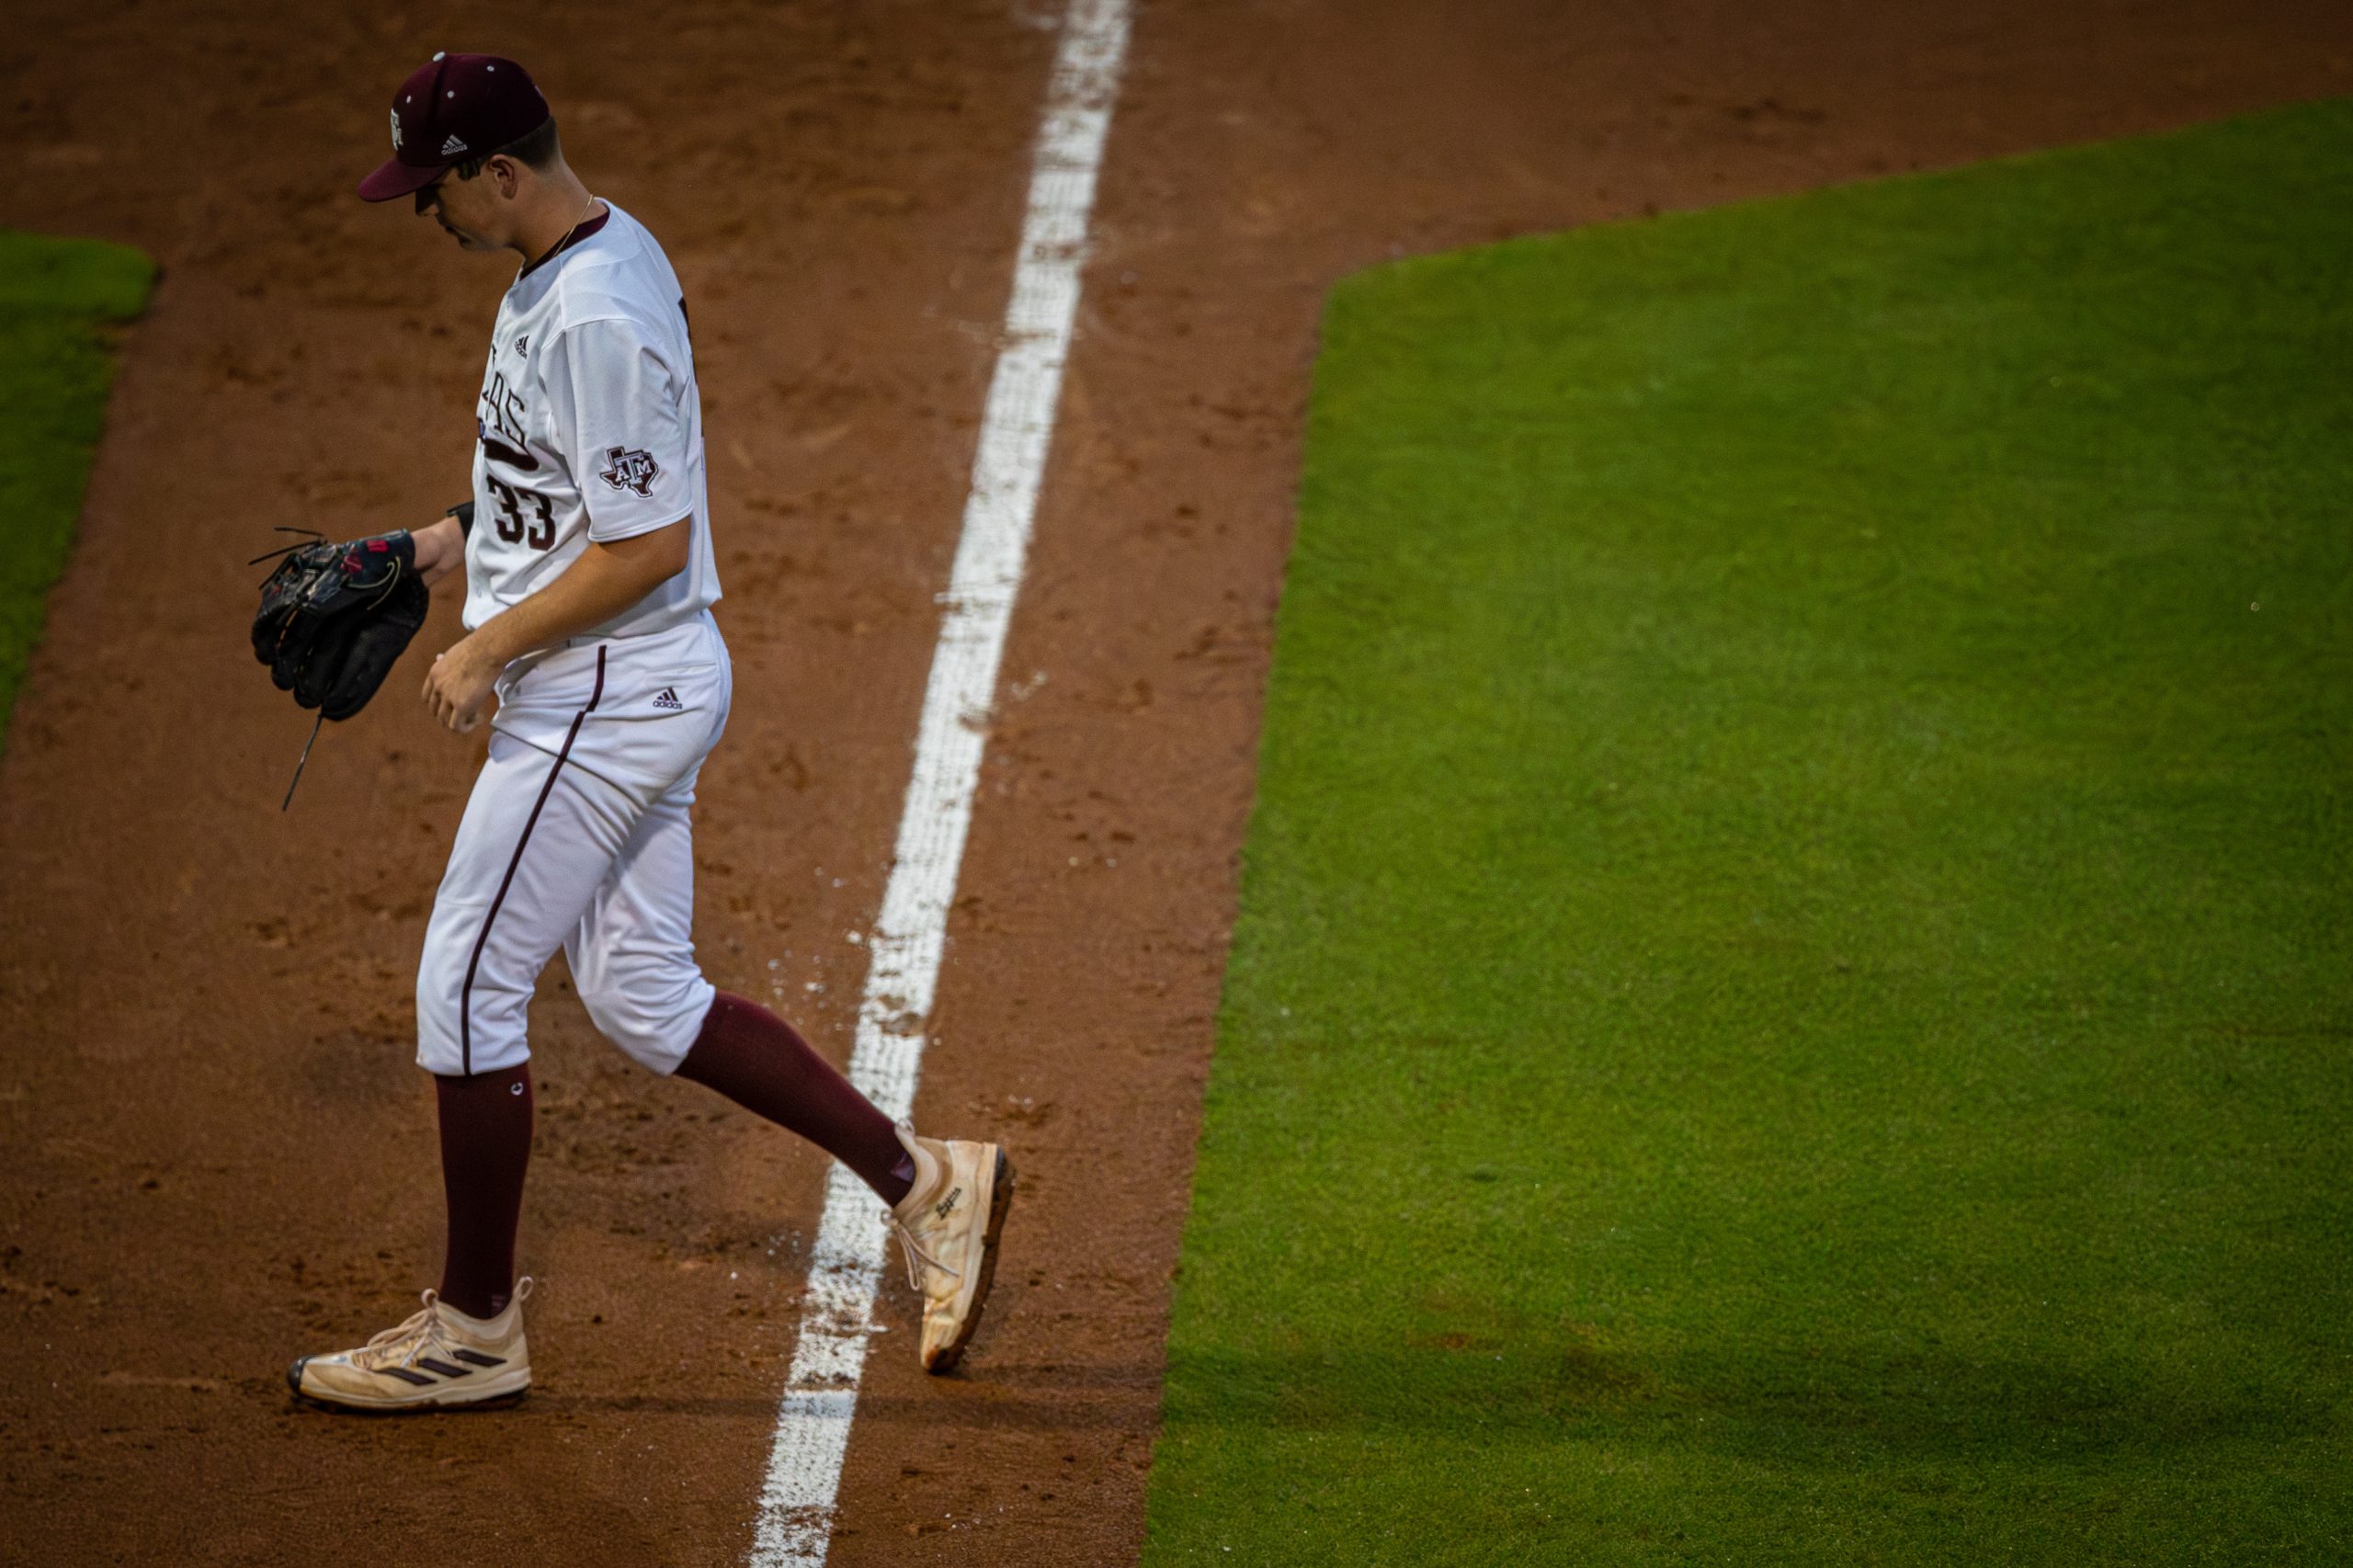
(759,1062)
(485,1147)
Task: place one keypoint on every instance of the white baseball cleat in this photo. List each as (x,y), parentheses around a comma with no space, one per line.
(949,1224)
(439,1357)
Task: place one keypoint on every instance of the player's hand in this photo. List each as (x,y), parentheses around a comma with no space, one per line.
(459,685)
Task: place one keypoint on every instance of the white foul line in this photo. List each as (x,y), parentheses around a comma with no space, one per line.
(797,1500)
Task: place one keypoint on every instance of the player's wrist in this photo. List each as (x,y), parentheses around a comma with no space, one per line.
(505,637)
(437,545)
(480,652)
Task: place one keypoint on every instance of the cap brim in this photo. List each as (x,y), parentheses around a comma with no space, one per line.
(393,178)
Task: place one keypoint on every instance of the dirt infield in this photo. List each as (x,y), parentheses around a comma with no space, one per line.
(214,1151)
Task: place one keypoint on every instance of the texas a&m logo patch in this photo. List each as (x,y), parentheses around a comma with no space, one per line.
(630,470)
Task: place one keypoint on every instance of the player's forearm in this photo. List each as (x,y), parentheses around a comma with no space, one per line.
(603,582)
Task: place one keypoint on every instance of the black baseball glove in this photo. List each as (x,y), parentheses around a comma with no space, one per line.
(334,618)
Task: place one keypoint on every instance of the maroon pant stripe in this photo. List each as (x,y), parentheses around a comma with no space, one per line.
(466,991)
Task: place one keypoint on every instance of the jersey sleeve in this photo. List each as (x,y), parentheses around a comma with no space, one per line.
(614,407)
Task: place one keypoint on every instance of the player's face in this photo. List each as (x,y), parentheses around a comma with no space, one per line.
(467,210)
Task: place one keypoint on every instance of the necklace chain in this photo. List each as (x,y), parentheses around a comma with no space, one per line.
(589,212)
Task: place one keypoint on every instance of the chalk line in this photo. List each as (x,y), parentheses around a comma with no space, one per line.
(797,1499)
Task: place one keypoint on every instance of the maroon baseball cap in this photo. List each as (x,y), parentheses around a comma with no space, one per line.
(452,108)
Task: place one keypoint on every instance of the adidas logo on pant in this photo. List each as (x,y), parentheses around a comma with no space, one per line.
(668,698)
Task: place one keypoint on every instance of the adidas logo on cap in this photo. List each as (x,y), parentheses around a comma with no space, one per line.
(456,144)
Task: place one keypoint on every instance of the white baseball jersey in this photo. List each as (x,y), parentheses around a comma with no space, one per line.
(589,425)
(578,835)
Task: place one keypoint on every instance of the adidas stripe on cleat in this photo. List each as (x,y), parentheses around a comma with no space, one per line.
(436,1359)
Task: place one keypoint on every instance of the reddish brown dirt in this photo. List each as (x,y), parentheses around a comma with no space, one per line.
(213,1151)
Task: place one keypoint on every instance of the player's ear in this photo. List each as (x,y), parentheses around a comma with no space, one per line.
(507,172)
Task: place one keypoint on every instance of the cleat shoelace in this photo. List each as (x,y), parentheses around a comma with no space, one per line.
(917,1258)
(419,1333)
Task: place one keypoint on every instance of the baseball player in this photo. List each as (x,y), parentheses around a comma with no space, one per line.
(588,586)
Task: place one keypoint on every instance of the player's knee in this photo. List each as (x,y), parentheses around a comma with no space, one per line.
(440,980)
(652,1018)
(473,1001)
(609,1010)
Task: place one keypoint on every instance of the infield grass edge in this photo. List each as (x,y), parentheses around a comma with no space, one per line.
(62,304)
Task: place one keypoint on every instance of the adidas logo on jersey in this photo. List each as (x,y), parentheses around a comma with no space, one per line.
(452,147)
(667,697)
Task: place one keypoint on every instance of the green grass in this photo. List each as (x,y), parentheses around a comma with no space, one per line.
(57,298)
(1793,989)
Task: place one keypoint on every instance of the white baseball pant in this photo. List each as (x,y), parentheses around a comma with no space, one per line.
(577,835)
